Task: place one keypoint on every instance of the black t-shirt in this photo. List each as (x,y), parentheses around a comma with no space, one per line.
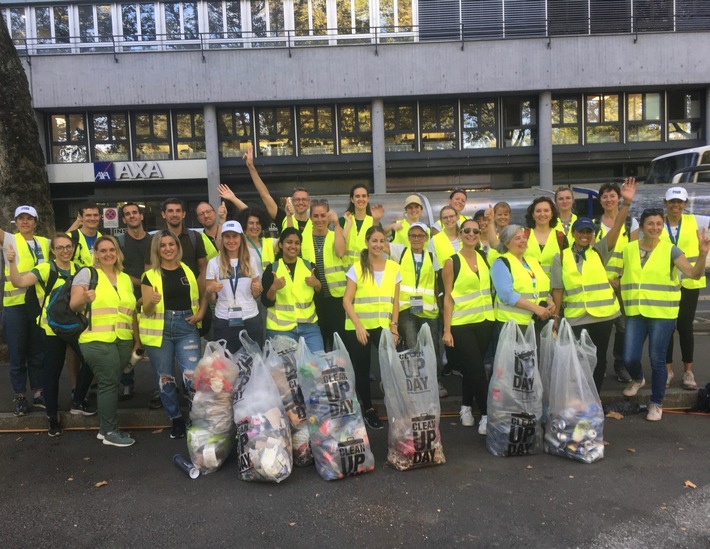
(176,289)
(134,252)
(190,253)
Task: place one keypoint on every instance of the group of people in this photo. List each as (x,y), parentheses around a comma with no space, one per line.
(464,277)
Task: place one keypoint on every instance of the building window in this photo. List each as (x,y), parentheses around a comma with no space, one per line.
(316,134)
(109,136)
(519,122)
(566,118)
(181,20)
(395,16)
(68,135)
(234,131)
(189,135)
(400,127)
(684,115)
(16,19)
(275,131)
(479,119)
(438,124)
(353,16)
(310,18)
(355,129)
(267,18)
(152,135)
(643,117)
(224,22)
(95,23)
(52,25)
(138,24)
(602,119)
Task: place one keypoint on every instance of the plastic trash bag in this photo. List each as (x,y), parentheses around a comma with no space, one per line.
(412,401)
(575,422)
(586,351)
(263,430)
(339,441)
(210,437)
(280,359)
(547,353)
(515,395)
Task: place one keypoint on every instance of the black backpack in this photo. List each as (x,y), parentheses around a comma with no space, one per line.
(61,319)
(32,304)
(703,403)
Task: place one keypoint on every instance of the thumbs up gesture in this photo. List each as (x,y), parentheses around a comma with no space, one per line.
(279,282)
(156,297)
(10,254)
(222,212)
(89,295)
(256,286)
(214,287)
(312,280)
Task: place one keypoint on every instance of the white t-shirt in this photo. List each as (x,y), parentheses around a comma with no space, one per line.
(226,297)
(352,275)
(396,251)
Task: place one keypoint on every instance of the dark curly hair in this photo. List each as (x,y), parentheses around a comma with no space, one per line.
(530,220)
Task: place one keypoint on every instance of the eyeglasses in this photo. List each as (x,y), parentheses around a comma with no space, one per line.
(469,230)
(299,200)
(417,236)
(66,248)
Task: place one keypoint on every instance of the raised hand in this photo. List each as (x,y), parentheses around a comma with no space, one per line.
(156,297)
(279,282)
(10,254)
(312,280)
(249,157)
(628,189)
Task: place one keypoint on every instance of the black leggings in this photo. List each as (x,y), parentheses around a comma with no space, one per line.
(684,325)
(54,351)
(331,318)
(470,345)
(600,333)
(360,357)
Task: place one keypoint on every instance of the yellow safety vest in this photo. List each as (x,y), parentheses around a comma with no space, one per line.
(26,259)
(355,241)
(83,255)
(472,294)
(523,284)
(334,269)
(150,327)
(615,263)
(561,227)
(373,304)
(306,237)
(688,242)
(589,290)
(111,311)
(443,248)
(425,288)
(402,235)
(294,302)
(548,252)
(43,271)
(652,291)
(209,247)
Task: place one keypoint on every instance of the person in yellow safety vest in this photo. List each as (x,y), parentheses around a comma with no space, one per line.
(46,277)
(111,337)
(469,321)
(681,229)
(172,311)
(446,243)
(544,242)
(457,200)
(207,217)
(609,198)
(326,253)
(564,201)
(371,303)
(651,293)
(522,287)
(501,216)
(580,287)
(22,334)
(84,232)
(289,285)
(419,290)
(413,208)
(297,207)
(357,220)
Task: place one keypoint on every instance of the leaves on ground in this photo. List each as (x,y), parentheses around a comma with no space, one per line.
(632,450)
(100,484)
(689,484)
(615,415)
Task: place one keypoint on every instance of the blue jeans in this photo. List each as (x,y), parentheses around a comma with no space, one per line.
(309,332)
(181,344)
(659,332)
(24,348)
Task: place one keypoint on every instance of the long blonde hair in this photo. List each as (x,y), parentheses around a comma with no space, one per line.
(225,266)
(365,254)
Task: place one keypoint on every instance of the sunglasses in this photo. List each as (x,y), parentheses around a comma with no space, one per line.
(469,230)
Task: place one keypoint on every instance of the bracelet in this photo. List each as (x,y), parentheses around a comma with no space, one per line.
(394,323)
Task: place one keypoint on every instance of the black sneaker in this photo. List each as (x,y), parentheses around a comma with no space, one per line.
(449,371)
(83,409)
(22,407)
(38,402)
(178,430)
(55,429)
(372,421)
(155,402)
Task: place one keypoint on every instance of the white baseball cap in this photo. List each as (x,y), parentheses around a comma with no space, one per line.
(233,226)
(420,225)
(26,210)
(677,193)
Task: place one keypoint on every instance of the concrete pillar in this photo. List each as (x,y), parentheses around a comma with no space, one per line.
(707,115)
(377,123)
(544,139)
(212,148)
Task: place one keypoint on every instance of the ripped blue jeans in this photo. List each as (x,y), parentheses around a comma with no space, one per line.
(181,346)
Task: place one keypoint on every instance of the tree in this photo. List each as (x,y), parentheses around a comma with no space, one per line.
(23,178)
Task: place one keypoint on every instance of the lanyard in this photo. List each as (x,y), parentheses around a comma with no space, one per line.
(34,253)
(417,270)
(258,251)
(234,284)
(532,276)
(674,240)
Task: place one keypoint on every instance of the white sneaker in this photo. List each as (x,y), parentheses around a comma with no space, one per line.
(689,381)
(443,393)
(669,379)
(483,426)
(654,412)
(466,416)
(633,387)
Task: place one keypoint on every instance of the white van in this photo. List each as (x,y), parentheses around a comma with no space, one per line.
(678,167)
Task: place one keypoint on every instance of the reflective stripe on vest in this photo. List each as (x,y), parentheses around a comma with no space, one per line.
(523,285)
(25,261)
(427,278)
(652,291)
(472,294)
(150,327)
(615,263)
(355,241)
(688,242)
(373,304)
(294,302)
(333,267)
(111,311)
(589,290)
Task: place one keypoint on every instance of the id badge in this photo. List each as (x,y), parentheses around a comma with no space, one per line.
(235,317)
(416,304)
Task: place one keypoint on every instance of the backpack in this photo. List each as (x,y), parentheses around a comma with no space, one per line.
(64,322)
(703,403)
(456,263)
(34,309)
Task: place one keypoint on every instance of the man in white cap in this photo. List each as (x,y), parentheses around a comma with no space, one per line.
(19,320)
(682,230)
(413,208)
